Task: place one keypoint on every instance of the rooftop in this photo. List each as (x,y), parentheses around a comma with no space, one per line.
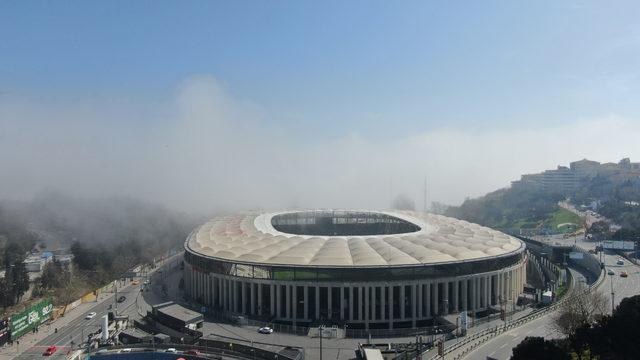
(362,238)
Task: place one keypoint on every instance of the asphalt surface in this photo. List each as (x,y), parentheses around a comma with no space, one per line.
(501,346)
(79,327)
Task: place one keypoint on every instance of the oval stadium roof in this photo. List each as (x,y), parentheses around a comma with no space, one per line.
(251,238)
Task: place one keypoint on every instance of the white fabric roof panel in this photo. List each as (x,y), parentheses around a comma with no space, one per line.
(251,238)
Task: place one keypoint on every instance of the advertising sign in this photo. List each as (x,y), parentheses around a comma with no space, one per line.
(576,255)
(463,320)
(27,320)
(618,245)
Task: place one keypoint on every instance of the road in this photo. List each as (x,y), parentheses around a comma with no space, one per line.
(500,346)
(78,328)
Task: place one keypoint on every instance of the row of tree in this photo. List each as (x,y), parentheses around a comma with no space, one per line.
(590,335)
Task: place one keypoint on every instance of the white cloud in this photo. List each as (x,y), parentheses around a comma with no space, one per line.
(208,151)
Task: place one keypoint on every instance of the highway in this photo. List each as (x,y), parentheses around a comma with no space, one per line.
(80,327)
(500,346)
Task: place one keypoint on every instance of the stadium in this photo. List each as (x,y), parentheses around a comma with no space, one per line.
(359,268)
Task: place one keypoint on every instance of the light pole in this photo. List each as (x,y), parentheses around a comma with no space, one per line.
(320,328)
(612,295)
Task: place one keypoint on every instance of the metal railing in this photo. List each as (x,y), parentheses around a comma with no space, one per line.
(479,338)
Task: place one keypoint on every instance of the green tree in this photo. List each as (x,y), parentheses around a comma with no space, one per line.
(536,348)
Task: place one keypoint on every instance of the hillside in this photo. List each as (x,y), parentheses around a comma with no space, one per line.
(530,207)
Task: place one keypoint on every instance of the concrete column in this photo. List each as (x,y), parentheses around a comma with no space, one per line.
(402,302)
(272,295)
(383,302)
(350,303)
(436,302)
(445,298)
(366,307)
(465,305)
(390,307)
(252,298)
(244,297)
(472,293)
(374,291)
(317,302)
(294,303)
(414,305)
(488,291)
(235,296)
(478,292)
(279,301)
(427,300)
(329,307)
(456,298)
(214,292)
(360,302)
(260,308)
(287,301)
(342,303)
(306,302)
(420,303)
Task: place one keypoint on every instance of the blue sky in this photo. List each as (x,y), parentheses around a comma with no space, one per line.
(136,97)
(378,68)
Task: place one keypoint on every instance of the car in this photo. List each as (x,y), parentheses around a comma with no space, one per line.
(191,352)
(122,299)
(125,350)
(135,282)
(611,272)
(623,274)
(171,350)
(620,262)
(147,282)
(50,350)
(102,351)
(265,330)
(90,315)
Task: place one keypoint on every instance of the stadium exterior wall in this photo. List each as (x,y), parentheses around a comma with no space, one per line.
(357,297)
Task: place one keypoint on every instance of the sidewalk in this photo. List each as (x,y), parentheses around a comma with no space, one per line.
(28,341)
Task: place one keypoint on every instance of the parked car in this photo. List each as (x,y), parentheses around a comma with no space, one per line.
(171,350)
(90,315)
(265,330)
(623,274)
(50,350)
(122,299)
(135,282)
(125,350)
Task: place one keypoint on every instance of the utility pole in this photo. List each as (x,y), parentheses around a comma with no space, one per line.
(612,295)
(320,328)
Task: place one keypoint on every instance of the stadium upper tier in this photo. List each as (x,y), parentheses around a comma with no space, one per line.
(348,238)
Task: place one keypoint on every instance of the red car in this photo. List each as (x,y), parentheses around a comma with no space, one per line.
(50,350)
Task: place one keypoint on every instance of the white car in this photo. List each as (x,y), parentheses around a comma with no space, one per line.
(265,330)
(611,272)
(90,315)
(620,262)
(171,350)
(127,350)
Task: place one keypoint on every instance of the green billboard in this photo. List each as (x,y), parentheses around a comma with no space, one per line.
(29,319)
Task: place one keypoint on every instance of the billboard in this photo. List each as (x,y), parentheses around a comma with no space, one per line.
(618,245)
(29,319)
(576,255)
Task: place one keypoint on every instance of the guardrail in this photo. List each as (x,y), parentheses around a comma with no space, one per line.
(479,338)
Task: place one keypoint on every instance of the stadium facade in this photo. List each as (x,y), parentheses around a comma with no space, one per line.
(364,269)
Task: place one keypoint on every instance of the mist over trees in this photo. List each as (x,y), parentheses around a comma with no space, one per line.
(506,206)
(107,236)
